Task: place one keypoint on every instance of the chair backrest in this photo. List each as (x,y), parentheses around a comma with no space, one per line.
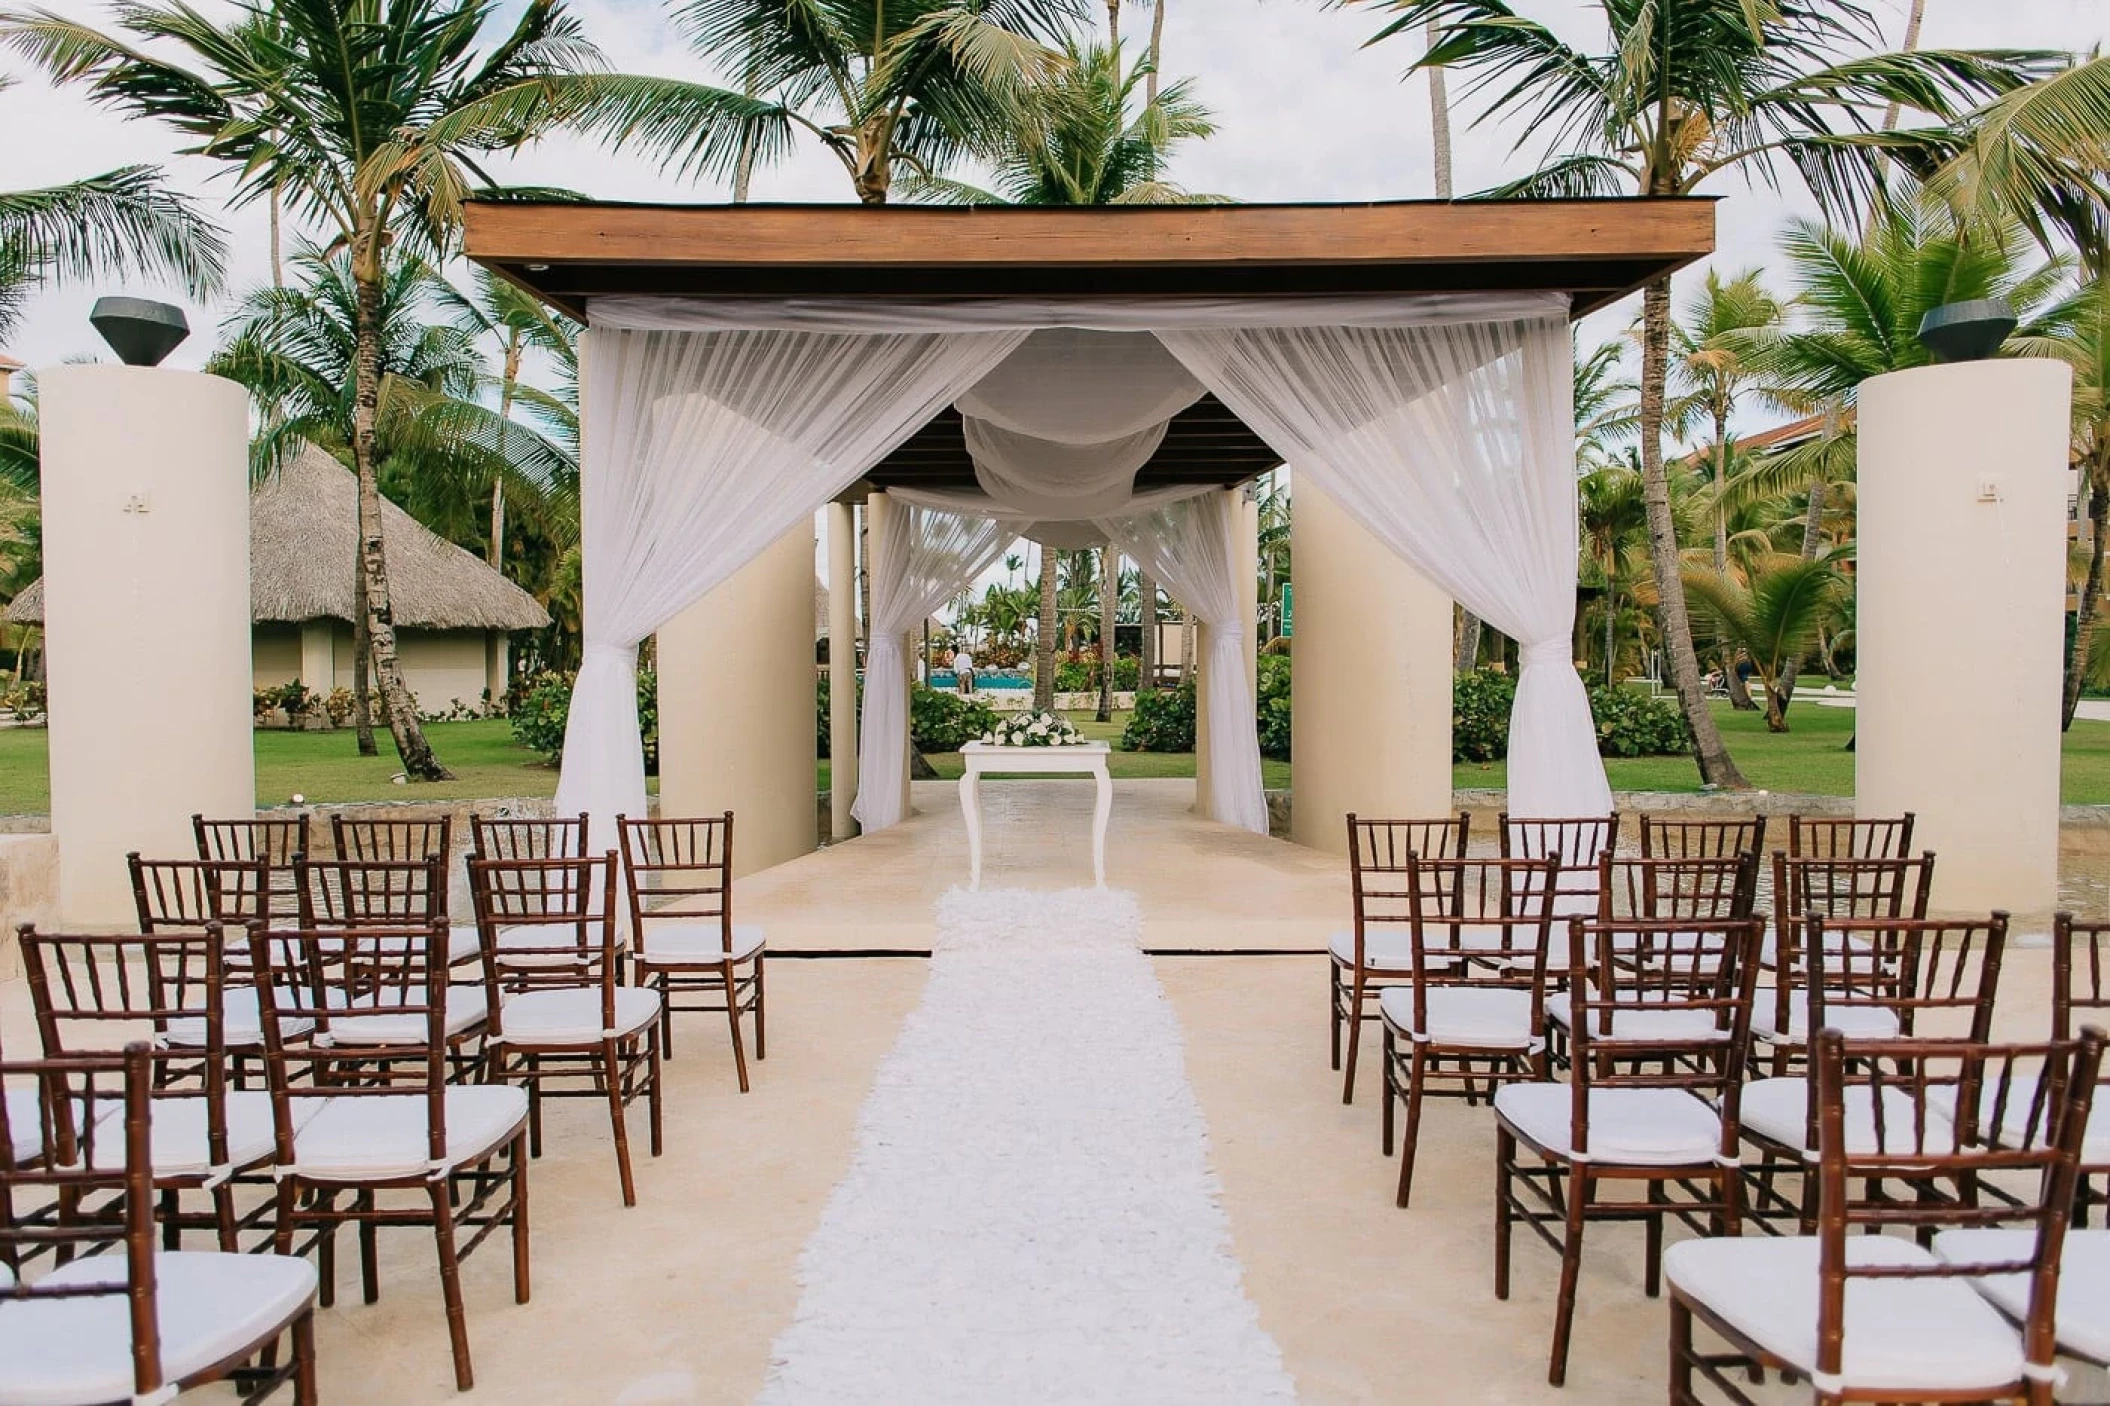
(1838,837)
(1500,911)
(1378,851)
(339,893)
(1937,977)
(398,839)
(93,993)
(314,986)
(559,837)
(548,922)
(1578,842)
(65,1164)
(1671,837)
(278,842)
(682,868)
(1933,1111)
(1714,889)
(183,895)
(1661,1003)
(2080,951)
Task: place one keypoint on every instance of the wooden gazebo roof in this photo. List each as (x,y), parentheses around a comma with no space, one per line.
(1596,251)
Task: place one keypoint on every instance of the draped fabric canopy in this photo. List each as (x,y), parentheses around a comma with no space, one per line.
(1443,423)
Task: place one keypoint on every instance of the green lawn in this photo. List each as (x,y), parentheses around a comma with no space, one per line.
(326,766)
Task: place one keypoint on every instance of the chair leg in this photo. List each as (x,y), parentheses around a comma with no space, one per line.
(451,1284)
(1652,1255)
(519,1217)
(223,1217)
(304,1393)
(616,1122)
(664,984)
(653,1102)
(369,1250)
(761,1044)
(1355,1038)
(326,1248)
(1571,1271)
(1505,1167)
(732,1016)
(1680,1353)
(1391,1082)
(1417,1072)
(533,1069)
(1333,1009)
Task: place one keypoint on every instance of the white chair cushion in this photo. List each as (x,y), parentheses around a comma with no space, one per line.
(464,944)
(548,944)
(382,1137)
(179,1138)
(1778,1110)
(1628,1127)
(241,1025)
(1901,1334)
(1468,1017)
(1632,1024)
(466,1007)
(1385,949)
(209,1306)
(7,1277)
(572,1015)
(2084,1281)
(697,940)
(1857,1021)
(25,1127)
(1834,945)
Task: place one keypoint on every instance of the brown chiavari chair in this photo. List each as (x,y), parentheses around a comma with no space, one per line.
(94,995)
(1870,1316)
(1661,1012)
(363,892)
(400,838)
(1837,837)
(512,839)
(277,842)
(678,877)
(1834,888)
(1375,951)
(2080,955)
(1672,837)
(192,895)
(446,1156)
(1871,979)
(114,1320)
(1474,1014)
(1578,842)
(562,1021)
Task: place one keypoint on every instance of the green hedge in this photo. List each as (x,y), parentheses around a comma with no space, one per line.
(943,722)
(1629,722)
(1272,706)
(1162,722)
(545,706)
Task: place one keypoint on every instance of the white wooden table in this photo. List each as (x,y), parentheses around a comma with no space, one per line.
(1089,758)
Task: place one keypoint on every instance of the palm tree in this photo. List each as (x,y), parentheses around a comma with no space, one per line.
(1614,524)
(123,221)
(1044,633)
(368,118)
(1678,94)
(1773,620)
(1109,601)
(880,84)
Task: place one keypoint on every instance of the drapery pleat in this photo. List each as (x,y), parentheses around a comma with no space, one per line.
(1192,547)
(702,448)
(925,557)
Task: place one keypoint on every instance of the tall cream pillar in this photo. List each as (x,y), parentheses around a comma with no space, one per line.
(1959,622)
(318,655)
(1371,729)
(736,706)
(842,670)
(146,608)
(498,671)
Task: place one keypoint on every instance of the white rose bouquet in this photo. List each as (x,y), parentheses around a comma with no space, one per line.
(1034,730)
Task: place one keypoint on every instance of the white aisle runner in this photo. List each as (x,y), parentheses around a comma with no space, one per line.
(1029,1216)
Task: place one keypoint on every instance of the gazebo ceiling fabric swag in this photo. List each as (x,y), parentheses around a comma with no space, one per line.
(1443,423)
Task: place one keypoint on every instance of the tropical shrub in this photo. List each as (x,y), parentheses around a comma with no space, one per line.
(1078,672)
(337,705)
(1272,706)
(944,722)
(26,700)
(1632,724)
(545,706)
(1162,722)
(1480,702)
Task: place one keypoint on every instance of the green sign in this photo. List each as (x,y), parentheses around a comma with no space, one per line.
(1289,615)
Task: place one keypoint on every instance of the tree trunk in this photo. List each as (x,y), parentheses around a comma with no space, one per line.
(1674,624)
(1157,51)
(1109,602)
(1439,124)
(1611,632)
(1186,643)
(1776,711)
(1113,24)
(418,761)
(1912,42)
(1147,612)
(1739,696)
(1812,539)
(1469,631)
(1044,635)
(2091,588)
(514,348)
(362,655)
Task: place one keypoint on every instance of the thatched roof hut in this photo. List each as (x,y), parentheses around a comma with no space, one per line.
(303,543)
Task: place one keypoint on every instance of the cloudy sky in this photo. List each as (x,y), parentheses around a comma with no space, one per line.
(1305,113)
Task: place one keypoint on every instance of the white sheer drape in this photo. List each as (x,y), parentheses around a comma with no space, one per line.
(1454,444)
(1192,546)
(700,450)
(924,557)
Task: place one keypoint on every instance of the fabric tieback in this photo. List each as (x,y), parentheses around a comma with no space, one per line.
(1553,651)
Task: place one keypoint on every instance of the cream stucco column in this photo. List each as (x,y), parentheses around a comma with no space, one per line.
(1959,622)
(842,670)
(146,591)
(1370,731)
(498,670)
(318,655)
(736,705)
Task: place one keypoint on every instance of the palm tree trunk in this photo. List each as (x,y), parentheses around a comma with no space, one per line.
(1611,632)
(1812,540)
(1044,635)
(1147,612)
(1674,624)
(497,552)
(1186,644)
(1739,696)
(1157,51)
(1439,124)
(2091,589)
(362,656)
(1912,42)
(1113,24)
(418,761)
(1109,597)
(1468,651)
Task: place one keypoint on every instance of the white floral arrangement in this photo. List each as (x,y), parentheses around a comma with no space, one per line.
(1042,729)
